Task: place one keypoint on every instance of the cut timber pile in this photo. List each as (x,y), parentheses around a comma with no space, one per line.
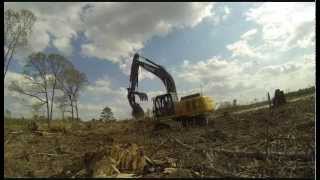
(123,158)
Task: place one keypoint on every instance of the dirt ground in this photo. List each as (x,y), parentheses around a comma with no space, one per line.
(232,145)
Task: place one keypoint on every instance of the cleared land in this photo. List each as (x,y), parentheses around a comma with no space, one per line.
(233,145)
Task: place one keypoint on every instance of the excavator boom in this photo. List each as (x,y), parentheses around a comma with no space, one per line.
(153,68)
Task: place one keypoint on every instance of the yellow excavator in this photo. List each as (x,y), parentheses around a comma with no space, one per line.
(189,110)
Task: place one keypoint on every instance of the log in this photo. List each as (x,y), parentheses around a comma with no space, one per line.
(148,160)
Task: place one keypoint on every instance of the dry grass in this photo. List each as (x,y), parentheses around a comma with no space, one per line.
(63,150)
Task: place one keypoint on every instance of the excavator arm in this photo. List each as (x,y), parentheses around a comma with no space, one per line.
(153,68)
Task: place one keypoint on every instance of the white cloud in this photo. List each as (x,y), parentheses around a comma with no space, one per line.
(143,74)
(64,45)
(228,79)
(226,13)
(101,93)
(12,76)
(218,77)
(249,34)
(214,69)
(219,14)
(61,20)
(285,25)
(114,31)
(242,48)
(18,104)
(125,67)
(117,30)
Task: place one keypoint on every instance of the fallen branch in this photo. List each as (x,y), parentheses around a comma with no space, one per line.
(48,133)
(115,169)
(148,160)
(157,148)
(15,132)
(182,144)
(48,154)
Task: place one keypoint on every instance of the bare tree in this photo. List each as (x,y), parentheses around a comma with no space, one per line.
(72,82)
(36,72)
(62,102)
(17,28)
(42,72)
(57,65)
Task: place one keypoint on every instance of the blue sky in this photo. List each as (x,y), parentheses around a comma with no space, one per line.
(233,50)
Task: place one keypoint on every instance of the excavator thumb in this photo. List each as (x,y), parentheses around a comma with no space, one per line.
(137,111)
(142,96)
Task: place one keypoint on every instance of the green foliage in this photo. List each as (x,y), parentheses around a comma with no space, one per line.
(107,114)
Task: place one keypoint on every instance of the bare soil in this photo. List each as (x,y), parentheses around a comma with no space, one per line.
(256,143)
